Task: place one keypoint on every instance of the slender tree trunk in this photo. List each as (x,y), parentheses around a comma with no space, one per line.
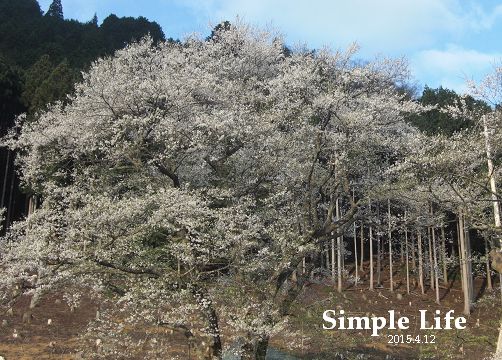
(333,271)
(436,277)
(444,260)
(407,259)
(5,178)
(454,249)
(371,257)
(413,254)
(379,261)
(489,285)
(469,261)
(327,256)
(379,252)
(362,246)
(339,251)
(10,204)
(458,242)
(3,224)
(420,262)
(402,248)
(431,262)
(391,278)
(30,205)
(355,254)
(464,265)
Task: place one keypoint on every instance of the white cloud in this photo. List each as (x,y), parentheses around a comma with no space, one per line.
(379,26)
(454,64)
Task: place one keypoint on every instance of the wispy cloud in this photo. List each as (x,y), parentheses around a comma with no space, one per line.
(483,19)
(379,26)
(453,65)
(420,30)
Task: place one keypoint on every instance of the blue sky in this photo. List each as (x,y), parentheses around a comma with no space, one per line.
(445,41)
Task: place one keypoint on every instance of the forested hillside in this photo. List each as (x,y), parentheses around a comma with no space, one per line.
(42,55)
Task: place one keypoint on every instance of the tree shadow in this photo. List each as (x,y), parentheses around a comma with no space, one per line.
(452,276)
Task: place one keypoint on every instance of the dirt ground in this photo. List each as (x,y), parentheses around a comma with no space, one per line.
(59,340)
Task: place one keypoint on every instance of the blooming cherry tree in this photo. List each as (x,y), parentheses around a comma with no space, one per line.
(189,181)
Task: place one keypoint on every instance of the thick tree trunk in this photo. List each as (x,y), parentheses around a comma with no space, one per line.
(212,322)
(499,342)
(256,349)
(261,349)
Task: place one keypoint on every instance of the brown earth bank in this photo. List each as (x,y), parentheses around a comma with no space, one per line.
(37,339)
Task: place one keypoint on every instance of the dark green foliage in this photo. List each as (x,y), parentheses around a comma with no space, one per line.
(11,86)
(223,26)
(19,9)
(41,57)
(117,32)
(55,10)
(54,51)
(94,20)
(26,35)
(46,84)
(438,122)
(34,76)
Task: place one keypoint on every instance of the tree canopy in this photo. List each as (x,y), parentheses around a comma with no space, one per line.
(179,173)
(55,10)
